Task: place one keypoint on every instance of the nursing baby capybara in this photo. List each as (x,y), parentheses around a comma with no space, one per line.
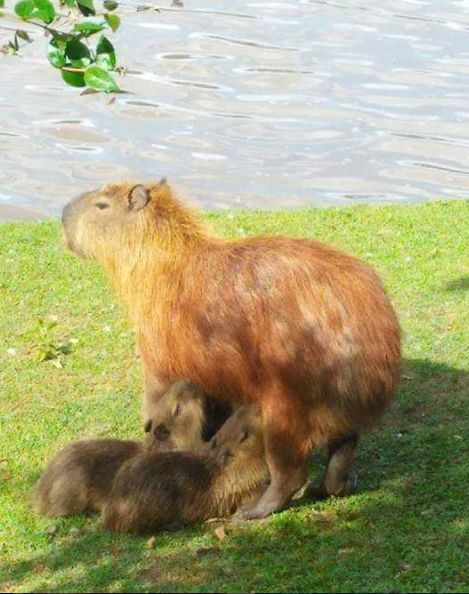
(157,490)
(300,329)
(79,477)
(185,418)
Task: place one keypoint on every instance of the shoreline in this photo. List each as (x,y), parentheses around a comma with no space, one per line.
(11,213)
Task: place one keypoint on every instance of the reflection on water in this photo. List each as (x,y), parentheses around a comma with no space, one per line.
(256,104)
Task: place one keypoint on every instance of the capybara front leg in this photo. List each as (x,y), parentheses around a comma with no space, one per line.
(286,439)
(284,484)
(341,455)
(154,390)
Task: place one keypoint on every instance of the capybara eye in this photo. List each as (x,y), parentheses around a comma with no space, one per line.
(244,436)
(177,410)
(213,443)
(147,426)
(102,205)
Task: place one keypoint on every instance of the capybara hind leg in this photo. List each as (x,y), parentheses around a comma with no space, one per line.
(286,438)
(341,455)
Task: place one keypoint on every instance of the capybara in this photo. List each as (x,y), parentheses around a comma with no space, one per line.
(300,329)
(186,418)
(157,490)
(80,476)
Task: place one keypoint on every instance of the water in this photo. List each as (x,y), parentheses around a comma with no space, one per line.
(254,104)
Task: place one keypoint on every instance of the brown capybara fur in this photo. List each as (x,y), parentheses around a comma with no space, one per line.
(184,418)
(80,476)
(298,328)
(156,490)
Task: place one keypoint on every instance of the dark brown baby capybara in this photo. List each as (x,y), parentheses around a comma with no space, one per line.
(156,490)
(186,418)
(298,328)
(80,476)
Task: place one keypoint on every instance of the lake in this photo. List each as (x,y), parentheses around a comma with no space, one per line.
(251,104)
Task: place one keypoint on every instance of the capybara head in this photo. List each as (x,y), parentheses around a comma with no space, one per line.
(177,420)
(126,219)
(240,439)
(99,219)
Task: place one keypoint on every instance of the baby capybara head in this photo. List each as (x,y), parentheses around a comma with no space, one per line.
(177,420)
(98,221)
(240,439)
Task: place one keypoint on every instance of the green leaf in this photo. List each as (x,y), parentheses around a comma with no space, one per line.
(24,9)
(45,11)
(88,28)
(108,4)
(61,36)
(74,79)
(23,35)
(56,54)
(77,52)
(105,54)
(99,79)
(113,21)
(2,4)
(86,7)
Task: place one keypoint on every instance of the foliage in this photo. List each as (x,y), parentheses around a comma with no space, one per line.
(71,28)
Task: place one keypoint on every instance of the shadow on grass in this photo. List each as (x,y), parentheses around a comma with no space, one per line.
(459,284)
(405,529)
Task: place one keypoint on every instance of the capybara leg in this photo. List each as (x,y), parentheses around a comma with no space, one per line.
(286,446)
(154,390)
(282,487)
(341,455)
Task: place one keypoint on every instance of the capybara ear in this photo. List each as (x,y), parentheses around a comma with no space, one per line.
(147,426)
(138,197)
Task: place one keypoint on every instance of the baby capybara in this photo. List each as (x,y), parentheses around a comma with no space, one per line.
(80,476)
(185,419)
(298,328)
(156,490)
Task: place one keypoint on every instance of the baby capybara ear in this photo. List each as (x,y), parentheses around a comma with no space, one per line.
(138,198)
(147,426)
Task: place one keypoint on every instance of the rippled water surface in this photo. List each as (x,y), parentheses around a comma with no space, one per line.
(252,103)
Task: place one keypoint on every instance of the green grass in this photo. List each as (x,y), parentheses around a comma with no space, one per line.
(69,370)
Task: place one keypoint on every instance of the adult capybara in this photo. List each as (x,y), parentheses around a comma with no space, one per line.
(300,329)
(79,477)
(156,490)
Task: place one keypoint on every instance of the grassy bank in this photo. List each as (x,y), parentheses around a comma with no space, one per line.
(68,369)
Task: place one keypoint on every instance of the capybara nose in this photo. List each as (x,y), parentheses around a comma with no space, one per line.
(161,432)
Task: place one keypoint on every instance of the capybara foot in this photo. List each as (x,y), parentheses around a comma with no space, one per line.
(271,501)
(341,455)
(256,511)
